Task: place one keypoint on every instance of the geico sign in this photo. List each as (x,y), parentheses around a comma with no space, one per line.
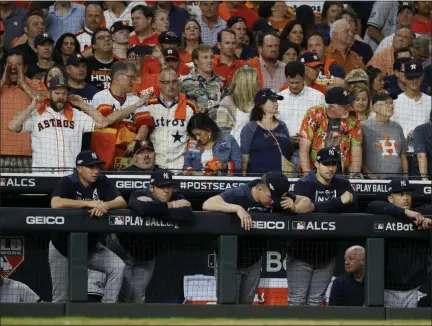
(427,190)
(45,220)
(268,225)
(121,184)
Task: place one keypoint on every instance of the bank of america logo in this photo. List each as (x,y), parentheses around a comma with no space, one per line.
(298,225)
(379,226)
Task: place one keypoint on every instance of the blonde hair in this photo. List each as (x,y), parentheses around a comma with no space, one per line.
(157,13)
(243,87)
(359,88)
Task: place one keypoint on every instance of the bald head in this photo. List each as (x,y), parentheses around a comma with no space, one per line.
(342,33)
(354,259)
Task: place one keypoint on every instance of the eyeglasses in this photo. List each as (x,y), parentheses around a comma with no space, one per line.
(130,76)
(169,82)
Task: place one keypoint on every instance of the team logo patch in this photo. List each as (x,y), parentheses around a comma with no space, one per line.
(11,254)
(116,220)
(298,225)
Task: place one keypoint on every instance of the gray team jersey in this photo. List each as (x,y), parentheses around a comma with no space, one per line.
(383,17)
(382,147)
(14,292)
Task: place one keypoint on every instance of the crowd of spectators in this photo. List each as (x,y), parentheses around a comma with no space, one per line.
(211,88)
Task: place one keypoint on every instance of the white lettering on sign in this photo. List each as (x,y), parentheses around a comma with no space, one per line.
(268,225)
(122,184)
(11,246)
(149,221)
(45,220)
(275,263)
(399,226)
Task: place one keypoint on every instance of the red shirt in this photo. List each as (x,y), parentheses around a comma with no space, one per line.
(225,71)
(249,15)
(152,66)
(422,27)
(152,39)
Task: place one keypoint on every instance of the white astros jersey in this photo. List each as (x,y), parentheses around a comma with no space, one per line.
(56,137)
(106,103)
(169,135)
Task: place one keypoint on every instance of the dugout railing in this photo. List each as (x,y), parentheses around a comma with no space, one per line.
(224,231)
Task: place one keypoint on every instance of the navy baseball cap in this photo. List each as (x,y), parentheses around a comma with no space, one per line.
(262,25)
(278,184)
(311,59)
(171,54)
(267,94)
(145,144)
(400,184)
(382,96)
(234,20)
(76,59)
(140,50)
(328,155)
(168,38)
(42,38)
(57,81)
(404,5)
(413,68)
(161,178)
(87,158)
(119,25)
(339,96)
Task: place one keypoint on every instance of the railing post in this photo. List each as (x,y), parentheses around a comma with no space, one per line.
(374,273)
(77,267)
(227,270)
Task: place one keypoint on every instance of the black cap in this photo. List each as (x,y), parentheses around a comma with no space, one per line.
(140,50)
(399,185)
(234,20)
(42,38)
(87,158)
(311,59)
(278,184)
(413,68)
(119,25)
(267,94)
(339,96)
(404,5)
(57,81)
(161,178)
(382,96)
(399,62)
(328,155)
(171,54)
(168,38)
(145,144)
(75,59)
(262,25)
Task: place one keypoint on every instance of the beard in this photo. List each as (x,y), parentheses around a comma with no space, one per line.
(57,105)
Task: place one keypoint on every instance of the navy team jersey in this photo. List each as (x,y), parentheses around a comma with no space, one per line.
(70,187)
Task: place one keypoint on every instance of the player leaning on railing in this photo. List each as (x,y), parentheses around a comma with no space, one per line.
(406,266)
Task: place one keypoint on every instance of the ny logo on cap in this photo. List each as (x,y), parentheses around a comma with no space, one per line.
(331,152)
(403,183)
(315,57)
(170,51)
(80,161)
(166,176)
(414,66)
(406,4)
(302,60)
(345,93)
(271,186)
(79,56)
(45,34)
(94,155)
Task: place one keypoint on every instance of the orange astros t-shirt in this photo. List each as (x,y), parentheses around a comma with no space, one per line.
(152,39)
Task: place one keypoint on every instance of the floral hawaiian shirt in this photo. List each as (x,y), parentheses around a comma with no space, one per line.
(325,132)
